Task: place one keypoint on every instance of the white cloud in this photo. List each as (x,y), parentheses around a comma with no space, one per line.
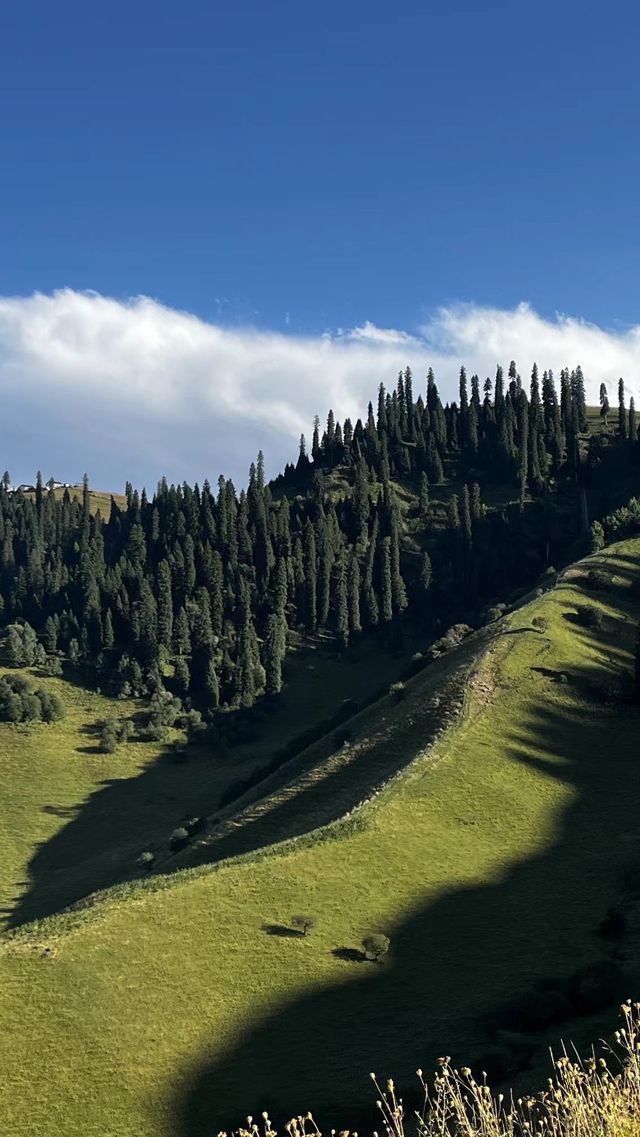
(136,390)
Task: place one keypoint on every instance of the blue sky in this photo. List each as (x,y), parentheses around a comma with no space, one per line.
(336,161)
(300,167)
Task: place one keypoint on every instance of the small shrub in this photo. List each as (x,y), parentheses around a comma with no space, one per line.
(304,924)
(109,736)
(146,860)
(597,580)
(495,613)
(179,839)
(589,617)
(20,703)
(397,691)
(195,825)
(22,645)
(376,946)
(597,537)
(155,732)
(540,623)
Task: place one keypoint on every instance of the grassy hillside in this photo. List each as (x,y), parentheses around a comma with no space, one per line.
(181,1004)
(75,819)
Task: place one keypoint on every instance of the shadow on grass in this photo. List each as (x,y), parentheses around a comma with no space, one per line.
(283,931)
(125,816)
(349,954)
(457,959)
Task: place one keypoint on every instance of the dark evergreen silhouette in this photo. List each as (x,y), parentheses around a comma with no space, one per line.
(201,591)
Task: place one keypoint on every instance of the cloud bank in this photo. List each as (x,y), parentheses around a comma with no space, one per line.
(134,390)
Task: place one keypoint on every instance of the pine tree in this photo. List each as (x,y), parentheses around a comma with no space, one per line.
(212,685)
(622,413)
(165,604)
(385,582)
(273,655)
(353,593)
(181,636)
(369,598)
(632,432)
(579,396)
(310,577)
(398,590)
(423,498)
(604,404)
(342,605)
(181,676)
(426,575)
(465,520)
(50,635)
(523,446)
(361,502)
(434,462)
(248,659)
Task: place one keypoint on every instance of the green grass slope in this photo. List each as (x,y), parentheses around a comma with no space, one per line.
(75,820)
(179,1005)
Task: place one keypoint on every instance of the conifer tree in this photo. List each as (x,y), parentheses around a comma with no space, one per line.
(181,676)
(385,583)
(369,598)
(434,462)
(165,604)
(273,655)
(426,574)
(353,593)
(523,446)
(181,636)
(622,413)
(423,497)
(212,685)
(604,404)
(342,605)
(310,577)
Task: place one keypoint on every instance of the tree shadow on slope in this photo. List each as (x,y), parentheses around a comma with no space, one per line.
(106,833)
(336,778)
(453,963)
(125,816)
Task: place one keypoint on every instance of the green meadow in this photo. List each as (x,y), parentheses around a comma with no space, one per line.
(177,1005)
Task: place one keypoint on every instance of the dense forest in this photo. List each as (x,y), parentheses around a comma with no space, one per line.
(202,593)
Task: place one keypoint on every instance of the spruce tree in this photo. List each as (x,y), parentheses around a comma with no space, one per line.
(181,636)
(342,605)
(622,413)
(423,499)
(385,582)
(604,404)
(353,593)
(273,655)
(181,676)
(632,432)
(426,575)
(165,604)
(310,577)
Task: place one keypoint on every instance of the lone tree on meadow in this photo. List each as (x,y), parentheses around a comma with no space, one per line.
(304,924)
(376,946)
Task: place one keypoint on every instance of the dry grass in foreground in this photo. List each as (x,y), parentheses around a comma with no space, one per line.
(596,1097)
